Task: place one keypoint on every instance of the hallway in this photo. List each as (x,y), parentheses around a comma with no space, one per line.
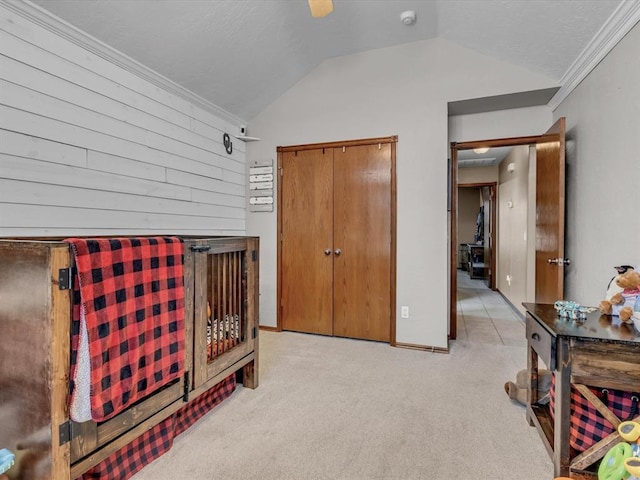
(485,317)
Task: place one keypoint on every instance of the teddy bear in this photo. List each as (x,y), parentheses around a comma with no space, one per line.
(621,303)
(518,391)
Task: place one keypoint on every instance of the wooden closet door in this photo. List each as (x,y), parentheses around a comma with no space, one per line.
(362,236)
(307,234)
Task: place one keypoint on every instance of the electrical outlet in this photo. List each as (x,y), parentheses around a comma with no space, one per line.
(404,312)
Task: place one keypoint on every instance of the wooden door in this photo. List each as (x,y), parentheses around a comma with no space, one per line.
(550,182)
(550,169)
(306,255)
(362,242)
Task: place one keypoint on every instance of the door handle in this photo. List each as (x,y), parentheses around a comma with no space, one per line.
(327,251)
(559,261)
(338,252)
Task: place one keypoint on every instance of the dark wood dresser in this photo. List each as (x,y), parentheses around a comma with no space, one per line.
(599,352)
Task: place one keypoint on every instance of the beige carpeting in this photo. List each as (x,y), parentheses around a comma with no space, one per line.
(332,408)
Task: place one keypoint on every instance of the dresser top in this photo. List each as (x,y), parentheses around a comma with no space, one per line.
(597,326)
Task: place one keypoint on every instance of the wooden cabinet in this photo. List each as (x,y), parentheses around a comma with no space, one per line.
(599,352)
(475,260)
(336,222)
(35,322)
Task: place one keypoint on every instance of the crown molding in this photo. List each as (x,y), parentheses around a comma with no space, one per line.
(47,20)
(625,17)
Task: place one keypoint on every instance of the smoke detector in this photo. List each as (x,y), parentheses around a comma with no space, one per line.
(408,17)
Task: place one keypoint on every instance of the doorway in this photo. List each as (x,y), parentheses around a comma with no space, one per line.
(549,213)
(477,207)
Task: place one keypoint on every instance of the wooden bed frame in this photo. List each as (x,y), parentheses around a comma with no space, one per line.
(220,275)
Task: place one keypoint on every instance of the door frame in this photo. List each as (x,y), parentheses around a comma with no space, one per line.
(493,222)
(453,230)
(393,216)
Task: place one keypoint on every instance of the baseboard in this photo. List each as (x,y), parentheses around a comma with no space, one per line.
(424,348)
(269,329)
(513,307)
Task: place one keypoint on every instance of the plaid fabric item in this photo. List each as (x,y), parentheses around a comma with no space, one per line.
(588,426)
(198,407)
(134,456)
(152,444)
(132,291)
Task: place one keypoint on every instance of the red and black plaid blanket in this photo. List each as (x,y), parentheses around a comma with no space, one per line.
(132,293)
(155,442)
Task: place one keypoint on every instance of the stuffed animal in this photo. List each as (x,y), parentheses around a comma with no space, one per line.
(613,287)
(636,313)
(518,391)
(621,304)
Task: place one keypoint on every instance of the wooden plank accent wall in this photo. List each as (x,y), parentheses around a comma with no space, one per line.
(89,147)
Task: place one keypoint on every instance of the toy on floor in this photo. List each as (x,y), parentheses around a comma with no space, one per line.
(622,461)
(7,459)
(518,391)
(622,302)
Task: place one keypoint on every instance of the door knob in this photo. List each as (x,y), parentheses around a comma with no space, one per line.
(338,252)
(327,251)
(559,261)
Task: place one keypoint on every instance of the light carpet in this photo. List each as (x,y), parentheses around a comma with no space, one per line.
(333,408)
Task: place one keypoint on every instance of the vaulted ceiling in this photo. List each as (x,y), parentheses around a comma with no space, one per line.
(243,54)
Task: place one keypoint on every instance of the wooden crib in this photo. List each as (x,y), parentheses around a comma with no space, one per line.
(221,332)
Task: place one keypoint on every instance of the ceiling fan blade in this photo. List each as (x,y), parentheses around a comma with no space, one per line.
(320,8)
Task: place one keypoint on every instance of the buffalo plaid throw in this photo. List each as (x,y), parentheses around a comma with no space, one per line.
(135,455)
(152,444)
(587,425)
(199,406)
(130,292)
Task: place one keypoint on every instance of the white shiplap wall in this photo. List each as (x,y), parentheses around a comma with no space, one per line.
(90,147)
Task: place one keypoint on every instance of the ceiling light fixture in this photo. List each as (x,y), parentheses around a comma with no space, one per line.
(408,17)
(481,149)
(320,8)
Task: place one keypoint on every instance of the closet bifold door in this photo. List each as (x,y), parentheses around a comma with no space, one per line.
(307,241)
(362,236)
(336,256)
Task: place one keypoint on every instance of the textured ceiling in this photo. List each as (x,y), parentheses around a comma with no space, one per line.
(243,54)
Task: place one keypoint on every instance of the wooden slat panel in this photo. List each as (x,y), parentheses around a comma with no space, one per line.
(250,316)
(227,359)
(591,367)
(60,346)
(132,416)
(204,183)
(50,216)
(18,145)
(19,191)
(86,441)
(108,130)
(72,54)
(73,91)
(19,97)
(85,464)
(42,172)
(103,162)
(201,296)
(189,309)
